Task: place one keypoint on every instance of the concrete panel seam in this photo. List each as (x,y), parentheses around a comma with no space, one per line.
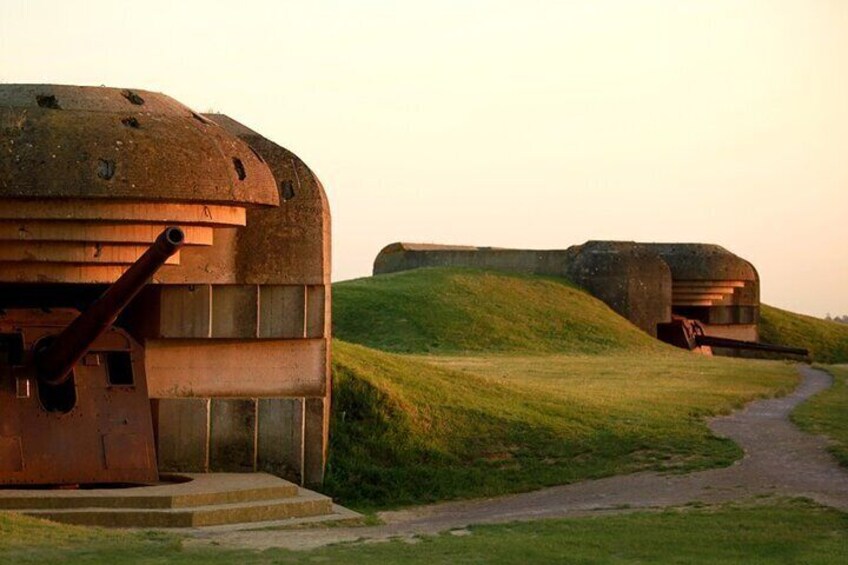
(208,441)
(255,433)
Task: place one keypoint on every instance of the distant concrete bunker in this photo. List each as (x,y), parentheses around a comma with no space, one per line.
(647,283)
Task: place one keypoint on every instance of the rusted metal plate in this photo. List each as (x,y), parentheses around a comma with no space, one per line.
(11,457)
(67,445)
(89,419)
(126,452)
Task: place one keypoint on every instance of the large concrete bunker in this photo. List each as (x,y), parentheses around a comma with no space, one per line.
(648,283)
(228,345)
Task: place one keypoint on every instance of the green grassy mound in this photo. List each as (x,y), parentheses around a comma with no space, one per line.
(826,414)
(406,431)
(462,310)
(827,341)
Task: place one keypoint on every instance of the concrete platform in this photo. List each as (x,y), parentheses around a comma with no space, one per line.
(180,501)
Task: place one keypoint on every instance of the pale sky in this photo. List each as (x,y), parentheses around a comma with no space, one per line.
(515,124)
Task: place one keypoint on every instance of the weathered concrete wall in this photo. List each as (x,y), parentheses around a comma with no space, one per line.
(632,280)
(106,144)
(289,244)
(253,342)
(406,256)
(244,326)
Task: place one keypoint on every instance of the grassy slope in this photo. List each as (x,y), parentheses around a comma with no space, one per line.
(827,413)
(463,310)
(781,532)
(407,431)
(827,341)
(519,382)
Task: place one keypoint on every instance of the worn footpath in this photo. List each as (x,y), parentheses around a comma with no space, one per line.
(779,460)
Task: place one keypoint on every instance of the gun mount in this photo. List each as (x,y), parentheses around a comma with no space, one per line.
(690,334)
(73,384)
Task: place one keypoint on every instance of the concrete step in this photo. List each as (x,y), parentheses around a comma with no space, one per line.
(179,501)
(306,503)
(339,514)
(175,491)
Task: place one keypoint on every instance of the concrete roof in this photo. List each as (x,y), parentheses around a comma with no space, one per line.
(107,143)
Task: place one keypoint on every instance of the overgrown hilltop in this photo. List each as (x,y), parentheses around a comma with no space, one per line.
(451,311)
(457,311)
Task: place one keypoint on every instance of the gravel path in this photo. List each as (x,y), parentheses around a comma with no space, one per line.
(779,460)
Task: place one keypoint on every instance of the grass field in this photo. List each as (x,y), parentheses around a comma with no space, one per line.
(827,413)
(510,383)
(777,532)
(410,430)
(826,340)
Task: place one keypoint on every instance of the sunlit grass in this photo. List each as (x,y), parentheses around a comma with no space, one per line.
(826,340)
(787,532)
(29,540)
(827,413)
(782,531)
(412,430)
(464,310)
(513,382)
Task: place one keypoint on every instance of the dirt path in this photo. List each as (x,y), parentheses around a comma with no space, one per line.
(779,460)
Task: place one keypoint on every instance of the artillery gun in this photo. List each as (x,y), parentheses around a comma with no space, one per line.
(690,334)
(72,383)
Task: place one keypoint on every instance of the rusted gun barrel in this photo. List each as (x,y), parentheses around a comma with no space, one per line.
(690,334)
(712,341)
(55,359)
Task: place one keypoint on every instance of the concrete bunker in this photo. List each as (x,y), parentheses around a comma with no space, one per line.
(651,284)
(226,350)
